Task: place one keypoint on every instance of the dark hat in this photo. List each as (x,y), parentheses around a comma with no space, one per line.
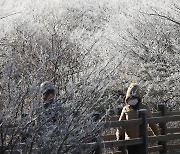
(45,86)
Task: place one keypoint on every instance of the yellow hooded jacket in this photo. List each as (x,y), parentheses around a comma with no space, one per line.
(129,113)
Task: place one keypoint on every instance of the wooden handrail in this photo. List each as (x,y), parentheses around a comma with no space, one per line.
(164,137)
(173,113)
(153,120)
(155,148)
(155,114)
(173,130)
(162,117)
(122,123)
(112,137)
(109,144)
(173,146)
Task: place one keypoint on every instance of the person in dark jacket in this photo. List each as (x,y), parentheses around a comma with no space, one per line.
(49,120)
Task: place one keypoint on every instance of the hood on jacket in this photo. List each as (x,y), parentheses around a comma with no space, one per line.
(133,92)
(45,86)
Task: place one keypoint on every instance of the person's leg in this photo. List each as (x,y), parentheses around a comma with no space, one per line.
(130,150)
(96,150)
(134,149)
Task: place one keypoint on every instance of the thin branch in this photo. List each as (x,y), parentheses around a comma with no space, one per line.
(165,17)
(9,15)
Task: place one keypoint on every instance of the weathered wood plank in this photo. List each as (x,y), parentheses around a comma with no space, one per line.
(163,109)
(164,137)
(173,130)
(109,137)
(117,152)
(111,118)
(122,123)
(163,119)
(120,143)
(155,148)
(173,146)
(116,117)
(156,114)
(173,113)
(143,131)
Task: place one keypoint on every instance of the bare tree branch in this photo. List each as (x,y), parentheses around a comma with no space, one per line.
(165,17)
(9,15)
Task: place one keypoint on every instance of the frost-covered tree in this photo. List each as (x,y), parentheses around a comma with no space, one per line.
(60,45)
(91,51)
(150,40)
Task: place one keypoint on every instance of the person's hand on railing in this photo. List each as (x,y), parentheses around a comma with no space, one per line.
(117,134)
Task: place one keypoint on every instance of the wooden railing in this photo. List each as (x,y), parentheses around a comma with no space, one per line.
(162,118)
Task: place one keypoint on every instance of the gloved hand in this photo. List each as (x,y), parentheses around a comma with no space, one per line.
(159,142)
(117,134)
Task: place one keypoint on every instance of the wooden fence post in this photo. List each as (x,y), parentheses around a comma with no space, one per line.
(99,148)
(163,109)
(143,131)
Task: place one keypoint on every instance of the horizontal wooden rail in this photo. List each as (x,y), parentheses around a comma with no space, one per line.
(116,117)
(155,148)
(173,146)
(111,118)
(173,113)
(122,123)
(163,119)
(120,143)
(108,137)
(155,114)
(112,137)
(164,137)
(125,123)
(173,130)
(117,152)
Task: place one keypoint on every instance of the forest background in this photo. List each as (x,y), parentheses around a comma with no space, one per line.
(91,51)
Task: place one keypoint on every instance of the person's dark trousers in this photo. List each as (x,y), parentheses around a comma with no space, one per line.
(133,149)
(96,150)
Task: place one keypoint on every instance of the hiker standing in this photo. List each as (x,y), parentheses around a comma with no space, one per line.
(133,102)
(49,123)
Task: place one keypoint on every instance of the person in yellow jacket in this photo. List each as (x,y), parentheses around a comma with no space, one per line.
(130,111)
